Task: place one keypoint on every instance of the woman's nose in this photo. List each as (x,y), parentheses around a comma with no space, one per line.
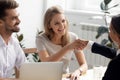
(61,25)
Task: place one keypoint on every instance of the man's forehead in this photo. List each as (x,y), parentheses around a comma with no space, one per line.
(11,12)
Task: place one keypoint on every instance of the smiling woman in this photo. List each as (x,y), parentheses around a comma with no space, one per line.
(56,43)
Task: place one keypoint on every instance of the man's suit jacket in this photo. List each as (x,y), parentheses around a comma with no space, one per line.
(113,69)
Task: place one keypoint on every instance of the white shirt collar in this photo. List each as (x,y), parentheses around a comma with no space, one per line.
(118,51)
(2,42)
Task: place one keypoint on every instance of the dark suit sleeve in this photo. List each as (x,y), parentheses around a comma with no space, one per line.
(103,50)
(113,70)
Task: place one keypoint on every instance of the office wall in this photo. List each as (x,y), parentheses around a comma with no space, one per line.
(31,12)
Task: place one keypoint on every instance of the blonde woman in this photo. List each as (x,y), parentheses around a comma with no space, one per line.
(56,43)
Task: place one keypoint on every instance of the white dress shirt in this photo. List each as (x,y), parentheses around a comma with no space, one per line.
(11,55)
(89,45)
(118,51)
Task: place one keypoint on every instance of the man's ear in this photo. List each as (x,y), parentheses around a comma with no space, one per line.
(1,21)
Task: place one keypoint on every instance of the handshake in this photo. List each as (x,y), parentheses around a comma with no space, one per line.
(78,44)
(81,44)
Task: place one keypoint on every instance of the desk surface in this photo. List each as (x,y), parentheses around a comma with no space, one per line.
(92,74)
(8,79)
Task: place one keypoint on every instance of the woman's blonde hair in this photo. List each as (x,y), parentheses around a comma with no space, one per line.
(50,13)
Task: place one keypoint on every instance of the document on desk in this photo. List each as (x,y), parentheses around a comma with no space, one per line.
(92,74)
(87,76)
(81,78)
(65,78)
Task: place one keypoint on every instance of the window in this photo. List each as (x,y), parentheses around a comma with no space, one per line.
(89,5)
(94,5)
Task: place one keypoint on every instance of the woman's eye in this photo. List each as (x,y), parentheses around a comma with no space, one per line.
(56,23)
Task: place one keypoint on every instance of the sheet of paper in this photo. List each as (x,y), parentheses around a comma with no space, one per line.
(65,78)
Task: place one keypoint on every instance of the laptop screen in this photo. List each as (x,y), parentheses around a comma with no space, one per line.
(41,71)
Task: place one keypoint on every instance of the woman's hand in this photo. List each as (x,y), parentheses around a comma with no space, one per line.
(77,44)
(75,75)
(83,44)
(74,45)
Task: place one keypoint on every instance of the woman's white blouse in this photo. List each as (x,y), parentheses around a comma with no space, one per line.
(43,43)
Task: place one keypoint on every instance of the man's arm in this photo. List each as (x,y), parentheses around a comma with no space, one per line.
(98,48)
(103,50)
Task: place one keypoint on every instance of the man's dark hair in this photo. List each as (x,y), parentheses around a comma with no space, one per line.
(7,4)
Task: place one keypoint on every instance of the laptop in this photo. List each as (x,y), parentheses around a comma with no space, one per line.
(41,71)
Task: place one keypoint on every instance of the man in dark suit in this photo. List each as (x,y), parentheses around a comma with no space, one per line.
(113,69)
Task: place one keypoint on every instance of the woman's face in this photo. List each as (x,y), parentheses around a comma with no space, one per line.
(113,35)
(58,24)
